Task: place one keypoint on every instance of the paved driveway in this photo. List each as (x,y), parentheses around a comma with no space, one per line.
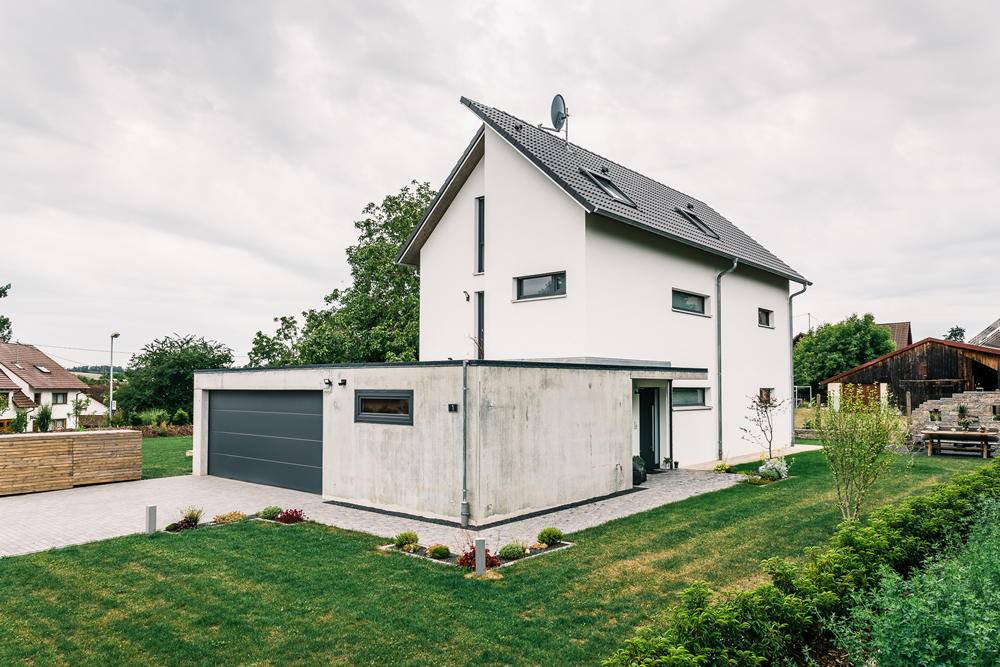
(40,521)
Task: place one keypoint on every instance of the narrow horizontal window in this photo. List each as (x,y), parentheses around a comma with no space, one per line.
(610,189)
(692,303)
(533,287)
(42,369)
(383,406)
(764,317)
(688,396)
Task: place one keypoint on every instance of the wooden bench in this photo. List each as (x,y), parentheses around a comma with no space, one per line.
(978,442)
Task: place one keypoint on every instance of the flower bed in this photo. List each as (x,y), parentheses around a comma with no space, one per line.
(421,552)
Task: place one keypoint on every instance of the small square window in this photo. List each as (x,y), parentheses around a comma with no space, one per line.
(59,423)
(765,395)
(691,303)
(765,318)
(58,399)
(533,287)
(384,406)
(682,396)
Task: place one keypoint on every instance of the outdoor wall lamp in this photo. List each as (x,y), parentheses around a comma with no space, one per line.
(343,382)
(466,295)
(328,382)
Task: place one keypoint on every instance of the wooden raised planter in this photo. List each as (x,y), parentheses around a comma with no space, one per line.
(31,462)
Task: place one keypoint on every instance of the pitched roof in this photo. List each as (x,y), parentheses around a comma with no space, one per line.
(7,384)
(988,337)
(22,401)
(28,359)
(901,333)
(936,341)
(658,208)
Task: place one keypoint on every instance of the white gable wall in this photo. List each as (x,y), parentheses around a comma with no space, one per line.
(532,227)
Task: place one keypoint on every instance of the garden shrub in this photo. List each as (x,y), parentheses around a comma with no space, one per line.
(778,465)
(291,516)
(171,526)
(135,419)
(438,551)
(180,418)
(550,536)
(404,538)
(192,513)
(780,621)
(270,512)
(468,559)
(19,424)
(638,463)
(154,416)
(230,517)
(43,418)
(511,551)
(770,474)
(946,614)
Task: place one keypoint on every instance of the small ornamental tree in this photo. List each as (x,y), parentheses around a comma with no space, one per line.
(44,418)
(763,408)
(858,440)
(77,407)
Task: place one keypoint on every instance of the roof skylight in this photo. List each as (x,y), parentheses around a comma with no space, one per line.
(42,369)
(610,188)
(693,218)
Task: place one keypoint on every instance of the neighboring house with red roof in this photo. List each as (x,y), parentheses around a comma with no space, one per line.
(929,369)
(902,334)
(30,379)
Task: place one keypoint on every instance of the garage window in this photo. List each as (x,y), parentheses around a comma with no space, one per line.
(383,406)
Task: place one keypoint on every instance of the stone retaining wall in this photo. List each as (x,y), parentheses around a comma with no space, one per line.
(980,406)
(32,462)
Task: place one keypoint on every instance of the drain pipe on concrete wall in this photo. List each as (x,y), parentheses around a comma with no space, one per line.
(718,325)
(465,443)
(791,358)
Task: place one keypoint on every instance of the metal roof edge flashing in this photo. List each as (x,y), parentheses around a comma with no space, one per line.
(623,364)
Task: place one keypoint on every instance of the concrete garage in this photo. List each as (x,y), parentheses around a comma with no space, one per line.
(498,439)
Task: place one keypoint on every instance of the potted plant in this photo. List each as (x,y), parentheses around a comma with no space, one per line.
(638,470)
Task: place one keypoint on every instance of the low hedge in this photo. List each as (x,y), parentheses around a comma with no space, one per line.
(782,622)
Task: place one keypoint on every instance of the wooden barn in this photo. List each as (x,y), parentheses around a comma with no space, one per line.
(928,369)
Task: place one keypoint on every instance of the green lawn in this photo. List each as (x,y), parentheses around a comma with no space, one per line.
(262,594)
(164,457)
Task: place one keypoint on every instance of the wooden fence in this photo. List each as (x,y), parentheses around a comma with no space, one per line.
(33,462)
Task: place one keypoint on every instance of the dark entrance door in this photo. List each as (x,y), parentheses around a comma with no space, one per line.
(647,425)
(268,437)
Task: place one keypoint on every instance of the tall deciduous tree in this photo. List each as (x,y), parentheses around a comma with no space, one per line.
(834,348)
(162,375)
(5,328)
(956,334)
(376,318)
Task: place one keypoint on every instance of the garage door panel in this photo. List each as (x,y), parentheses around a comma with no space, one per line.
(268,448)
(267,437)
(285,475)
(301,402)
(277,424)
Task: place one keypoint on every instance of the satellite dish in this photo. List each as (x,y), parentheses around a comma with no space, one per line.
(559,114)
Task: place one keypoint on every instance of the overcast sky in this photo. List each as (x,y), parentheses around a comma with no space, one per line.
(196,167)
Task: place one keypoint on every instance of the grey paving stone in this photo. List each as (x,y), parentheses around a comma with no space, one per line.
(40,521)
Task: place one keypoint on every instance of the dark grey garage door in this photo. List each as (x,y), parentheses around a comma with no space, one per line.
(268,437)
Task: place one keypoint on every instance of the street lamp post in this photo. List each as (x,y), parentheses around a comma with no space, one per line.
(111,394)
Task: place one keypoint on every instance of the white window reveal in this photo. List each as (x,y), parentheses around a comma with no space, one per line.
(688,302)
(534,287)
(687,396)
(765,318)
(384,406)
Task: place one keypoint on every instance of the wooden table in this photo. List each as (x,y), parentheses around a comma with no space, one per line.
(961,441)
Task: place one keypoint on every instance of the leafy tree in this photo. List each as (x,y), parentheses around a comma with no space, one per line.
(5,328)
(77,407)
(834,348)
(19,424)
(376,318)
(956,334)
(858,440)
(43,418)
(162,375)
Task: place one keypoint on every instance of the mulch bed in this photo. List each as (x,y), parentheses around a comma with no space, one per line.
(421,552)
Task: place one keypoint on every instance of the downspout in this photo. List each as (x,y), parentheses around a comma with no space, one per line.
(718,325)
(465,443)
(791,358)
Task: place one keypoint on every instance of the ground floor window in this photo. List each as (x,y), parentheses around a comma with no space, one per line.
(683,396)
(4,425)
(383,406)
(59,423)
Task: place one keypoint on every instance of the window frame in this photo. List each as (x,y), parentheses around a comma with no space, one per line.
(770,318)
(55,399)
(699,224)
(56,425)
(609,187)
(480,235)
(704,397)
(704,298)
(376,418)
(519,285)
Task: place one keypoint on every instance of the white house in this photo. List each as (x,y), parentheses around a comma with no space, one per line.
(573,313)
(30,379)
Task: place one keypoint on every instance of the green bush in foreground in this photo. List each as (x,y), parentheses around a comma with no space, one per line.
(947,614)
(550,536)
(511,551)
(270,512)
(404,539)
(780,622)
